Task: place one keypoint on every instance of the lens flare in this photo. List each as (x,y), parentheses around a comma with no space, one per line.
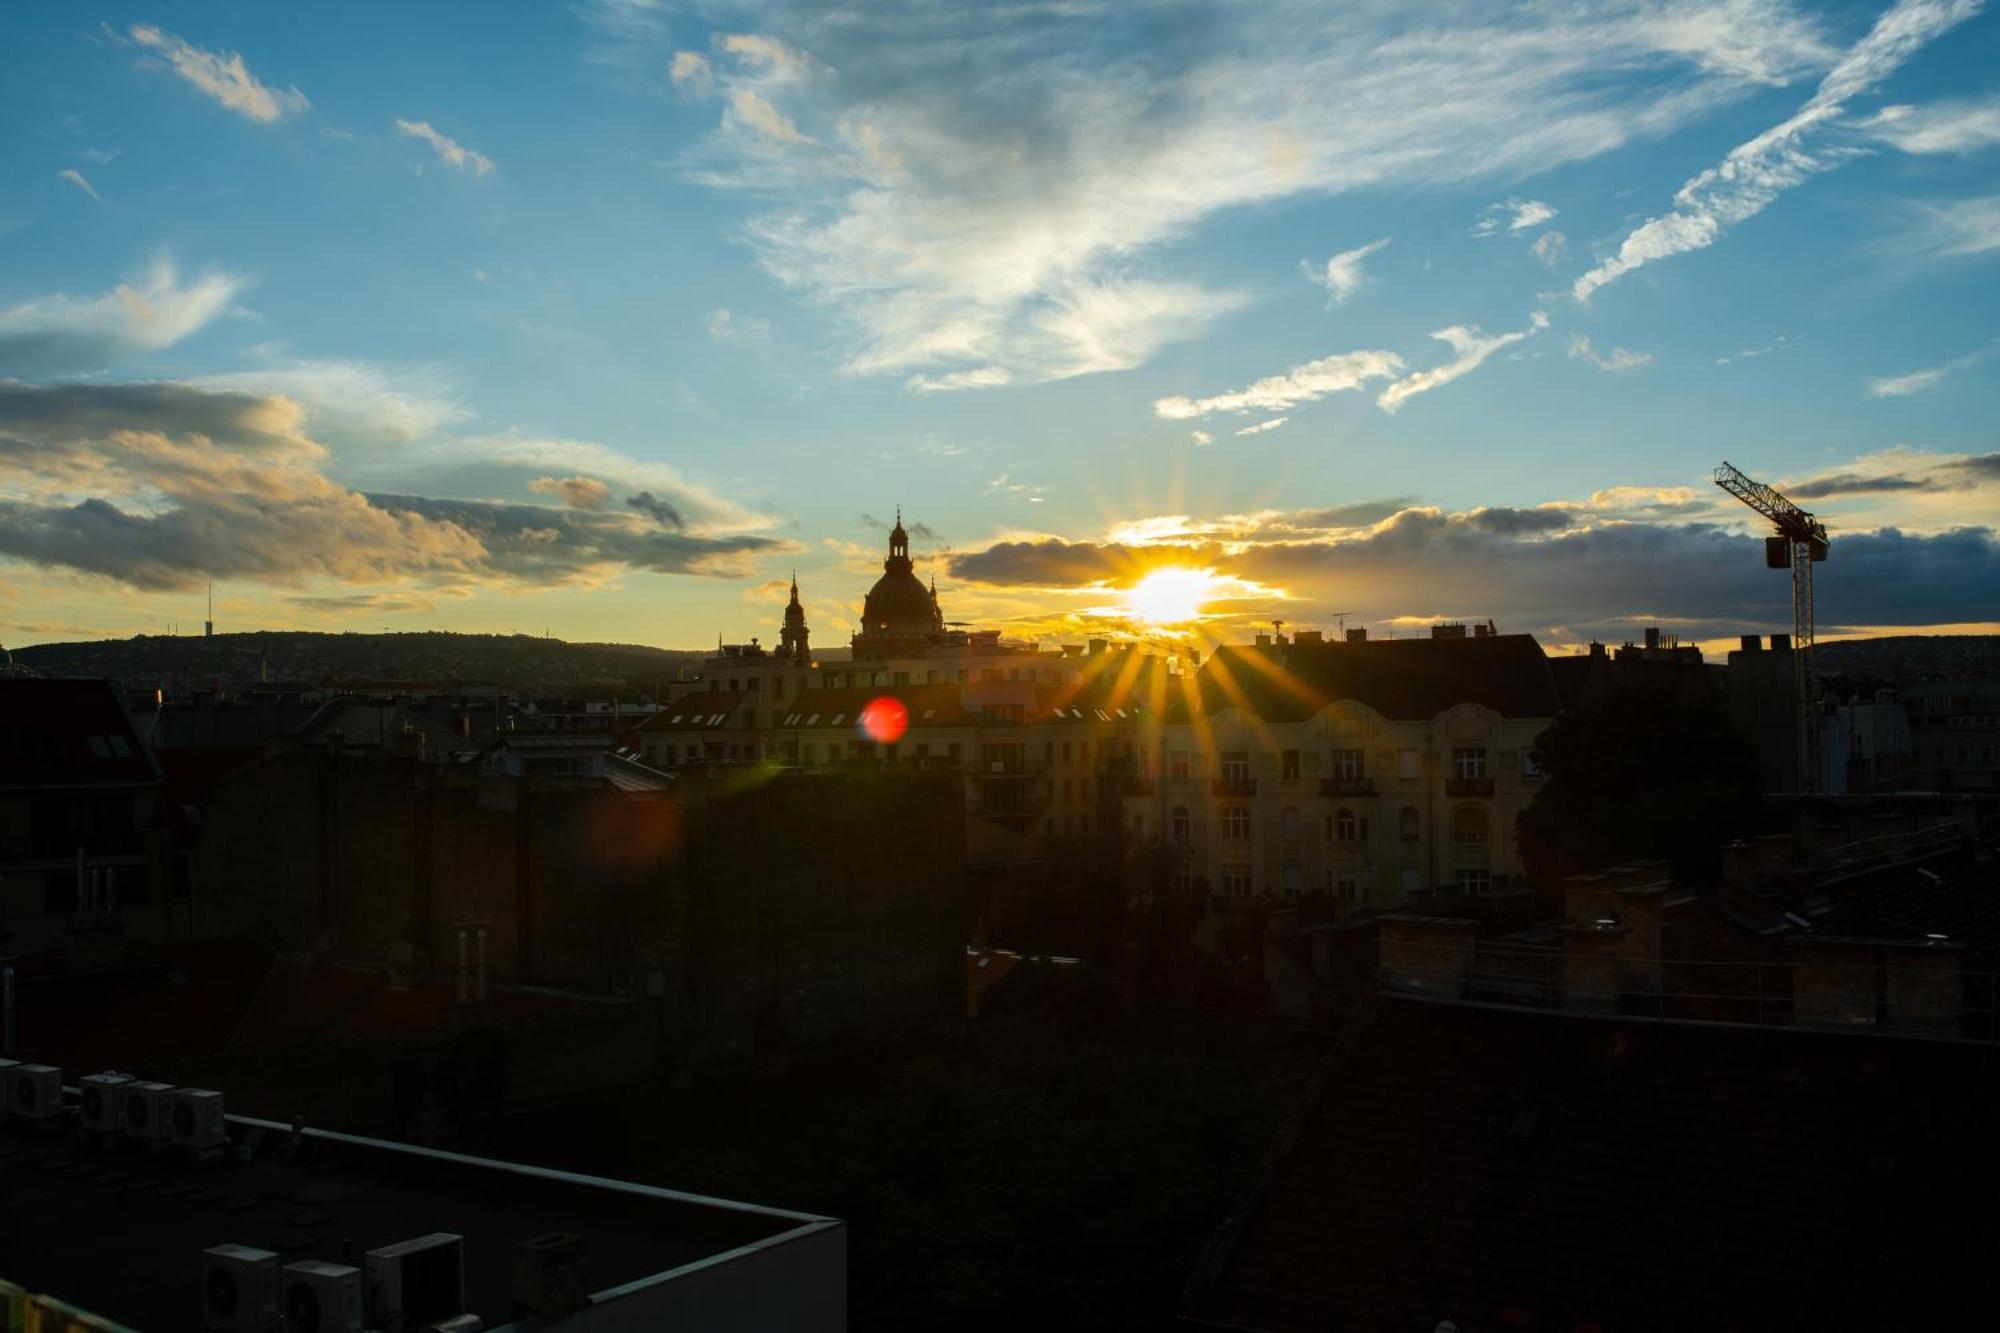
(884,720)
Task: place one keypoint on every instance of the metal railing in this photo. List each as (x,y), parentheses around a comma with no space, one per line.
(1900,988)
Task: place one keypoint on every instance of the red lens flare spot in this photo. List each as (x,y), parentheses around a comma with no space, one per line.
(884,720)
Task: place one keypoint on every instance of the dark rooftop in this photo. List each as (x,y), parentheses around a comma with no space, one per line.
(1404,679)
(1513,1169)
(121,1231)
(70,733)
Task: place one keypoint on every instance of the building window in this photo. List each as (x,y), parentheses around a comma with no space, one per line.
(1348,765)
(1469,761)
(1468,826)
(1406,765)
(1288,765)
(1292,828)
(1236,881)
(1183,827)
(1531,765)
(1236,823)
(1177,765)
(1236,766)
(1406,824)
(1347,890)
(902,678)
(1345,828)
(1475,881)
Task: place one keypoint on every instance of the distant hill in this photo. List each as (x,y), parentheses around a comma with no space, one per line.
(517,662)
(1911,656)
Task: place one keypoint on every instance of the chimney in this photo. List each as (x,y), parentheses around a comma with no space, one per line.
(1358,635)
(1097,646)
(1308,637)
(1263,641)
(1750,643)
(1426,955)
(1594,957)
(1781,643)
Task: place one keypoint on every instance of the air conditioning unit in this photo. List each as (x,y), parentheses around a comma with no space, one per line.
(34,1093)
(143,1110)
(322,1298)
(548,1275)
(415,1282)
(195,1118)
(239,1290)
(101,1103)
(6,1077)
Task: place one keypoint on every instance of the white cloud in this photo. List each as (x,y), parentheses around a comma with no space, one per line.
(748,107)
(944,217)
(1962,227)
(222,76)
(1341,275)
(726,326)
(449,151)
(359,404)
(1961,126)
(1513,215)
(1472,347)
(1201,437)
(1263,426)
(1758,171)
(1618,358)
(1902,386)
(75,177)
(691,73)
(1301,384)
(70,333)
(1551,247)
(980,377)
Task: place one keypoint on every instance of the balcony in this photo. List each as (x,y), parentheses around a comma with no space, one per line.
(1140,787)
(1234,786)
(1347,786)
(1468,786)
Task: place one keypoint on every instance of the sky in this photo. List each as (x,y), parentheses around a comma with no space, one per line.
(601,320)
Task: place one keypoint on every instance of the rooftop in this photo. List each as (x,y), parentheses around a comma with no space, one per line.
(1402,679)
(69,733)
(121,1230)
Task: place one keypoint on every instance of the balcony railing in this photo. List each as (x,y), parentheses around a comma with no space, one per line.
(1347,786)
(1235,787)
(1139,787)
(1468,786)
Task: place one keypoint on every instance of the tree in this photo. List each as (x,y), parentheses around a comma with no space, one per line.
(1641,774)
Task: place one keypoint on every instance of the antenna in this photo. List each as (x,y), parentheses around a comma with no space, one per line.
(208,625)
(1340,618)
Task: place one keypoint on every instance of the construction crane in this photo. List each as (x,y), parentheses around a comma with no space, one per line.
(1799,543)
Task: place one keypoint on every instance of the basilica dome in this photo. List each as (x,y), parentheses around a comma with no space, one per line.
(899,606)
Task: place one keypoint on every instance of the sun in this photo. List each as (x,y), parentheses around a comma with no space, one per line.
(1170,595)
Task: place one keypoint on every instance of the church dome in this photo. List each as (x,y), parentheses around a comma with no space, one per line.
(898,604)
(899,607)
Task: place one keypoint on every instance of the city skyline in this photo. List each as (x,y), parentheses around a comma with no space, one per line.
(603,320)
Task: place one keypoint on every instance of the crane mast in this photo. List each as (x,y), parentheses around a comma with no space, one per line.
(1799,543)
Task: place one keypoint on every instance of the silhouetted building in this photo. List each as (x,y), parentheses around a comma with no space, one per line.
(84,844)
(1954,733)
(1372,771)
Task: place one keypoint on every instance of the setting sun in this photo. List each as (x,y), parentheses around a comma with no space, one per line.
(1171,595)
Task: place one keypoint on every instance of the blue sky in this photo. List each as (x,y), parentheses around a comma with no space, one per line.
(603,318)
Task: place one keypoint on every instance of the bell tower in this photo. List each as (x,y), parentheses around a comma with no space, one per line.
(792,637)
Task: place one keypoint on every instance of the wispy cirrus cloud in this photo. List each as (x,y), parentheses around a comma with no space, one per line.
(1957,228)
(1018,216)
(1264,426)
(1618,358)
(220,75)
(1917,381)
(1341,373)
(1963,125)
(449,151)
(1470,348)
(156,309)
(1756,172)
(1512,215)
(75,177)
(1342,275)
